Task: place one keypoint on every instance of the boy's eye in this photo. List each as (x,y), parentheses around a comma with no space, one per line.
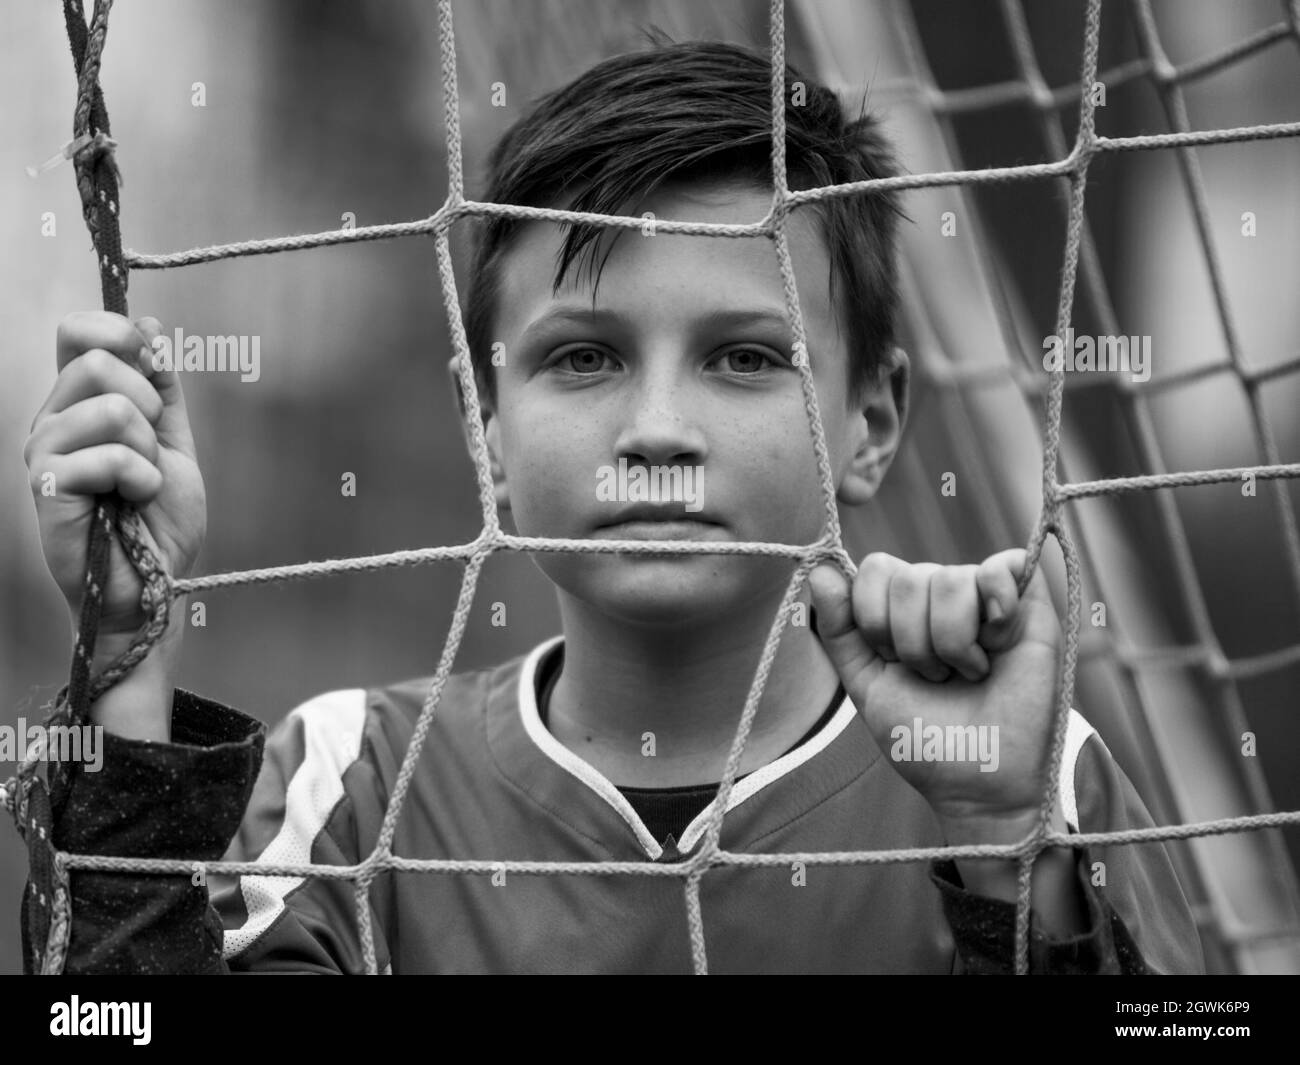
(747,360)
(582,360)
(589,361)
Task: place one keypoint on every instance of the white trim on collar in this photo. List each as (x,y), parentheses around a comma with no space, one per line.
(773,771)
(602,786)
(566,759)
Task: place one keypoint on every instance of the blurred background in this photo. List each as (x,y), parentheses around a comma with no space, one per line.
(241,119)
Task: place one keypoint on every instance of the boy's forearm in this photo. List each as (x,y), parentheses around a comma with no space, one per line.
(1055,894)
(138,706)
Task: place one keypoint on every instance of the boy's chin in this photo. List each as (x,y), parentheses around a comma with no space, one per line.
(672,590)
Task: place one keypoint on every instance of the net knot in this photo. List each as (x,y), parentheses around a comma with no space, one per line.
(1042,98)
(99,147)
(780,211)
(1163,72)
(94,145)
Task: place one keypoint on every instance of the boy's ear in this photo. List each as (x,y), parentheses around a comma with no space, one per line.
(878,427)
(491,432)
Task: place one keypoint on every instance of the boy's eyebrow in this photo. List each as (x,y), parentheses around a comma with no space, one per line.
(721,317)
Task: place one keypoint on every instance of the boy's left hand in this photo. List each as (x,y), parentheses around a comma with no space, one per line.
(913,641)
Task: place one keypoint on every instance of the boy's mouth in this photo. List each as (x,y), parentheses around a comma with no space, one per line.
(685,529)
(662,521)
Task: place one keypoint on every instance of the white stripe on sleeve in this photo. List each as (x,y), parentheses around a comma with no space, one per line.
(1077,731)
(332,727)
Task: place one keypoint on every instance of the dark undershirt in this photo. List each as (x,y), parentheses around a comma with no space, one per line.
(665,811)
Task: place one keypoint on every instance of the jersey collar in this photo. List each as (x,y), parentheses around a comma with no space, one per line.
(544,767)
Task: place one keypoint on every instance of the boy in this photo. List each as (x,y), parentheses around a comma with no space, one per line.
(674,355)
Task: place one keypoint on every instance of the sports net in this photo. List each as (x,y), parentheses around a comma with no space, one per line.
(92,151)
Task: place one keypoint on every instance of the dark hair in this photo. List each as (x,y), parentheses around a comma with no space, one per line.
(686,112)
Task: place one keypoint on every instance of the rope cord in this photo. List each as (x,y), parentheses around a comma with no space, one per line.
(97,185)
(98,181)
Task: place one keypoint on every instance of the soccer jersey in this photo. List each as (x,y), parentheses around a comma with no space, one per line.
(666,812)
(491,783)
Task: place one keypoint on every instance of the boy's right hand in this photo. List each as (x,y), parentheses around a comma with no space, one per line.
(114,422)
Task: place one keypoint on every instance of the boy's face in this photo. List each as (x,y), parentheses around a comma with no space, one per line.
(681,380)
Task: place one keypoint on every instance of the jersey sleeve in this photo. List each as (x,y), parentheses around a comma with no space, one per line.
(320,799)
(177,800)
(1139,921)
(223,790)
(1136,881)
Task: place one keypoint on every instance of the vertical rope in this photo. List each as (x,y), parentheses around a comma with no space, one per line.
(1095,283)
(49,892)
(46,897)
(1050,519)
(97,185)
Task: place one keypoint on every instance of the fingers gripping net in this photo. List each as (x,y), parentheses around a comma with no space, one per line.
(160,588)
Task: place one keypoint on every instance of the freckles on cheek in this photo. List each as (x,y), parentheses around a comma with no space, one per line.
(556,452)
(556,437)
(791,438)
(530,437)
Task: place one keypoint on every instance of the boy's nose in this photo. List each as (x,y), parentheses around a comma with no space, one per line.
(661,425)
